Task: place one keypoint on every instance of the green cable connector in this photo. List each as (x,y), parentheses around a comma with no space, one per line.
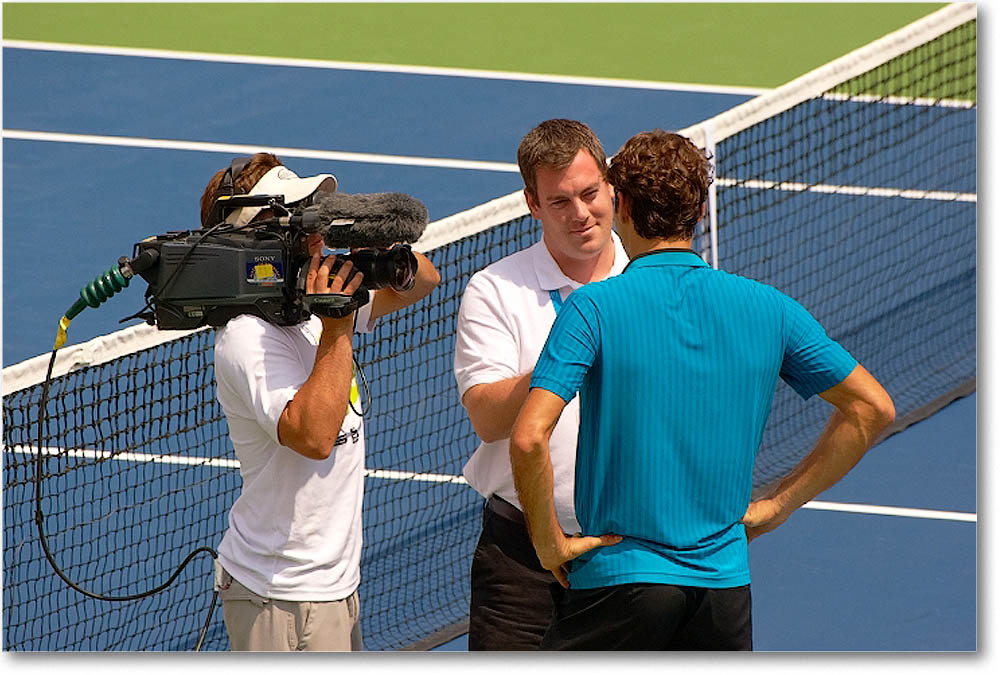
(92,295)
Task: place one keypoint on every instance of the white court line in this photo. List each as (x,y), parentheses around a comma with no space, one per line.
(462,164)
(856,190)
(384,68)
(230,148)
(900,100)
(869,509)
(140,457)
(137,457)
(420,477)
(460,480)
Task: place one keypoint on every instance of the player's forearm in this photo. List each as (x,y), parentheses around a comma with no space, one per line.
(863,410)
(532,468)
(848,435)
(311,421)
(493,407)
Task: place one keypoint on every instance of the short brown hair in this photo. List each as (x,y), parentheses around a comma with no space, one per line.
(259,164)
(665,178)
(554,144)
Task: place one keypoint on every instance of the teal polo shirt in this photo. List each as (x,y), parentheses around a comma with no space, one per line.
(676,365)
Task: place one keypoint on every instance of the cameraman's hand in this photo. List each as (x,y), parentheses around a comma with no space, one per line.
(318,280)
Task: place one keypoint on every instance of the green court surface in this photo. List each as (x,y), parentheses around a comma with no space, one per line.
(734,44)
(931,84)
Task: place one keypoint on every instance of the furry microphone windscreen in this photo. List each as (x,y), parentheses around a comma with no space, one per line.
(379,219)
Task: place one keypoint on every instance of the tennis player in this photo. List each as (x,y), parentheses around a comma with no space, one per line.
(504,318)
(676,365)
(289,564)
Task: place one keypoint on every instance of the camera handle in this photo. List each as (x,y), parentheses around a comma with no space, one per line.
(334,305)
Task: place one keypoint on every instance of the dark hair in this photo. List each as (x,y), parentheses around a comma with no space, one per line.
(554,144)
(259,164)
(665,178)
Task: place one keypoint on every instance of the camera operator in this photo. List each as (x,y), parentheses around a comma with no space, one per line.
(289,564)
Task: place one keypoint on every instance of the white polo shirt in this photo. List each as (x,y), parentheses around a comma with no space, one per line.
(504,319)
(295,530)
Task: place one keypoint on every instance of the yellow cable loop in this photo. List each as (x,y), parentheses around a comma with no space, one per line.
(61,335)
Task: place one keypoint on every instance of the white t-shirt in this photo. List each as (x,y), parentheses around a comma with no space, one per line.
(295,530)
(503,321)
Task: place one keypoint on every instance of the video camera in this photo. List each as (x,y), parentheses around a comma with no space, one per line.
(208,276)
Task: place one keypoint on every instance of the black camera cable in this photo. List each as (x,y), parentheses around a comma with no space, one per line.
(93,295)
(40,517)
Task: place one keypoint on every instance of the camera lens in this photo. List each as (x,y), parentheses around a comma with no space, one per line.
(396,267)
(403,271)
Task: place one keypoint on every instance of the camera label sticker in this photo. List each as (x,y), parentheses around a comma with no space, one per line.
(265,272)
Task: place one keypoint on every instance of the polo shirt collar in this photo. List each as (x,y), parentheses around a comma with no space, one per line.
(674,257)
(551,278)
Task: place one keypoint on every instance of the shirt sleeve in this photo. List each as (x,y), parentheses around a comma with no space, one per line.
(363,321)
(570,349)
(486,346)
(812,361)
(258,371)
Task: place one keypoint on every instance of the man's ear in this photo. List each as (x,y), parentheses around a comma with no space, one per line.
(622,210)
(533,205)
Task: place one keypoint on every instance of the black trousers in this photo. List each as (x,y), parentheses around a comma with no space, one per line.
(650,617)
(511,603)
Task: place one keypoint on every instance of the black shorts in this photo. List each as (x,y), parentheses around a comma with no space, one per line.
(511,602)
(650,617)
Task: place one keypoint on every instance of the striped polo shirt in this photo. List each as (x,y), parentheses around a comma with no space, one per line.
(676,365)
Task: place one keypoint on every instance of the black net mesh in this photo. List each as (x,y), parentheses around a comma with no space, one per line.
(420,532)
(861,205)
(138,471)
(137,468)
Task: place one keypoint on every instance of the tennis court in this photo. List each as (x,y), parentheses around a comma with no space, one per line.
(87,173)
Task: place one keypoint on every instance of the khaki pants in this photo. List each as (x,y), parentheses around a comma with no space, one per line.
(255,623)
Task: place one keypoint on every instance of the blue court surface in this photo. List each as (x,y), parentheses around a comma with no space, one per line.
(863,582)
(72,208)
(828,580)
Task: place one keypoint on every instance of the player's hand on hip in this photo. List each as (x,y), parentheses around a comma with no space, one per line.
(554,559)
(762,516)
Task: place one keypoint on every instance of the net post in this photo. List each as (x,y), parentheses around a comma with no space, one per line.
(709,231)
(713,216)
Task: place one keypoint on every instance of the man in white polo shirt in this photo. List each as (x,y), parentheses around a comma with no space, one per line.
(289,564)
(504,319)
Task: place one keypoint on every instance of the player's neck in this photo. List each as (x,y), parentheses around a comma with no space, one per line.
(640,245)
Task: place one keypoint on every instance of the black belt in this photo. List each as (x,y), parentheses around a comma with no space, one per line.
(505,509)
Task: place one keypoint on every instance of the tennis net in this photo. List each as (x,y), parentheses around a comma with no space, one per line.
(852,188)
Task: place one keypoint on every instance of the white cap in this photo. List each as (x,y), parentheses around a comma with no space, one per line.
(281,181)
